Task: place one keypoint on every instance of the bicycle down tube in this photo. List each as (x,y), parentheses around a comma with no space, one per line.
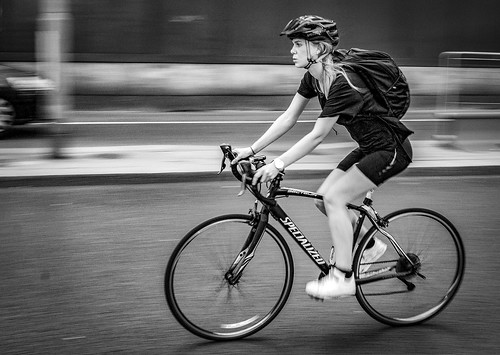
(294,231)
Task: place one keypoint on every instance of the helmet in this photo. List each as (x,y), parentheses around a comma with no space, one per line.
(312,28)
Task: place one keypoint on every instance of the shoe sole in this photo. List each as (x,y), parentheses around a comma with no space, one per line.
(329,298)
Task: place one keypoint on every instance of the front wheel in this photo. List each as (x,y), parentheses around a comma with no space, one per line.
(405,290)
(210,304)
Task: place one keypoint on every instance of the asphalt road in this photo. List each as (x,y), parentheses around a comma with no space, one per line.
(82,271)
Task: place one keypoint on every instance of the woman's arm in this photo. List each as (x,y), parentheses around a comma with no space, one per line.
(322,128)
(282,124)
(310,141)
(279,127)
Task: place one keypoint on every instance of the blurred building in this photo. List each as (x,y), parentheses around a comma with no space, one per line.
(175,54)
(239,31)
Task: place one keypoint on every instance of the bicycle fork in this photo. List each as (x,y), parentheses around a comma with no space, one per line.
(247,253)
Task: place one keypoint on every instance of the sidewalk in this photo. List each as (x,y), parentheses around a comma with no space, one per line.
(151,163)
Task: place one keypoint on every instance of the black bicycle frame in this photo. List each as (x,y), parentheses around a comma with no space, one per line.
(270,206)
(289,225)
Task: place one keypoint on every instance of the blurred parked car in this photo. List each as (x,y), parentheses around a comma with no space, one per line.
(21,97)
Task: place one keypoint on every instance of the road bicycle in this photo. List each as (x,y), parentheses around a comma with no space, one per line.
(231,275)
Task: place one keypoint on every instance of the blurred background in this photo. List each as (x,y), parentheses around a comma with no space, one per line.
(165,54)
(111,114)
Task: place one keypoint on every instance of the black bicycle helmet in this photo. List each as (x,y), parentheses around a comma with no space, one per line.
(312,28)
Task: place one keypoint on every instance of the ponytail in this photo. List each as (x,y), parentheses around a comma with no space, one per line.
(330,68)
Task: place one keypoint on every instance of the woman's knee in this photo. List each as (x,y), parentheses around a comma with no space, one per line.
(333,201)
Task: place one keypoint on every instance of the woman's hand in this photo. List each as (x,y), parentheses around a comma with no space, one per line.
(266,173)
(242,153)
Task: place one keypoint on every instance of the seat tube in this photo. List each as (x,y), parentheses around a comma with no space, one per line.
(357,231)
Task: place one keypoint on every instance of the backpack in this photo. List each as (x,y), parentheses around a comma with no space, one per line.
(386,82)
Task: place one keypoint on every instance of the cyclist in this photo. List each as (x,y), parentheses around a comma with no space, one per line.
(345,100)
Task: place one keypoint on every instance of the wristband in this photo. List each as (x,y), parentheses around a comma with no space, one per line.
(253,151)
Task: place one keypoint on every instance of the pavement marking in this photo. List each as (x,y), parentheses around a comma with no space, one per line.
(81,123)
(172,122)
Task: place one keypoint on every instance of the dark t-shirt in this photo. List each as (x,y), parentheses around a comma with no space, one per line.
(355,110)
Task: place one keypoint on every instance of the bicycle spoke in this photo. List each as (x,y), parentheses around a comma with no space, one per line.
(436,252)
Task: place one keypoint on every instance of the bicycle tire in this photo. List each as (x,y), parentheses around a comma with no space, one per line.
(435,245)
(200,297)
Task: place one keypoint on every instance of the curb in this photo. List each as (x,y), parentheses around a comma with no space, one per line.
(212,176)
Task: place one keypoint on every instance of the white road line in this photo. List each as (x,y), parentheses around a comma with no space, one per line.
(219,122)
(171,122)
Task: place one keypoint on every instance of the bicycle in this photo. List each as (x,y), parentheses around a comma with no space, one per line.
(231,275)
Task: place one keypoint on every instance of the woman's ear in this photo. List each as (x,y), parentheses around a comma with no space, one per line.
(320,49)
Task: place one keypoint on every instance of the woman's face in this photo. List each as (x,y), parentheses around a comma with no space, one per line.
(299,52)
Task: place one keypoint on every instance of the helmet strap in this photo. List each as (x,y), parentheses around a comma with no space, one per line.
(309,58)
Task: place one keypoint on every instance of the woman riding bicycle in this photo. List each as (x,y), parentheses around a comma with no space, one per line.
(344,99)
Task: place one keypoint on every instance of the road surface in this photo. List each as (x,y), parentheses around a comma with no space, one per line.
(82,271)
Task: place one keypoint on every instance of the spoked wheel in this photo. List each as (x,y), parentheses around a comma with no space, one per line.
(397,290)
(210,304)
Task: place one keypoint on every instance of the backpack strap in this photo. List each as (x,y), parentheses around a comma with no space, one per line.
(399,131)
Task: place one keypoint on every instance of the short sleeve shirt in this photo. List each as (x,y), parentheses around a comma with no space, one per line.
(354,108)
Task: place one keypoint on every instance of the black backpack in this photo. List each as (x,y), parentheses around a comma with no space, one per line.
(386,82)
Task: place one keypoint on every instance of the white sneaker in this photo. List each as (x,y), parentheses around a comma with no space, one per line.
(333,285)
(373,254)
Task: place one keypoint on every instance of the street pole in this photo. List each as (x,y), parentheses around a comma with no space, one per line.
(53,40)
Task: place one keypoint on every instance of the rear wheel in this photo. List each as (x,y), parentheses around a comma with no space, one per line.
(398,291)
(202,297)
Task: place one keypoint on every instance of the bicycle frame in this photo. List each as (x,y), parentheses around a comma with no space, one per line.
(271,207)
(293,230)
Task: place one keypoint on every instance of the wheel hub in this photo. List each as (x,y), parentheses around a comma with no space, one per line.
(404,266)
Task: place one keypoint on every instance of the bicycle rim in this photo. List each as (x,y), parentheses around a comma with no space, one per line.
(200,297)
(437,251)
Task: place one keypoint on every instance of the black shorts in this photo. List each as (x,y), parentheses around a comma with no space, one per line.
(379,165)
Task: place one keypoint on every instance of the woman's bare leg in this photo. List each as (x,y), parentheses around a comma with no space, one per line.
(339,189)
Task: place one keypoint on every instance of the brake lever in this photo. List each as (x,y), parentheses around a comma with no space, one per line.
(246,168)
(223,164)
(243,186)
(226,152)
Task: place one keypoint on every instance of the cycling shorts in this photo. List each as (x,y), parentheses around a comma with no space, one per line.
(380,165)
